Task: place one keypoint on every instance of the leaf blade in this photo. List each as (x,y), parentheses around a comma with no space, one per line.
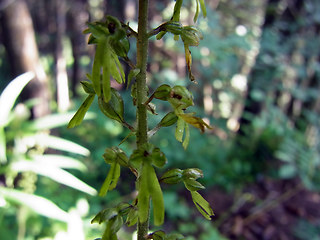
(57,174)
(179,129)
(54,121)
(96,68)
(144,195)
(10,94)
(107,182)
(203,8)
(106,72)
(3,148)
(60,144)
(156,196)
(36,203)
(202,205)
(60,161)
(79,115)
(196,15)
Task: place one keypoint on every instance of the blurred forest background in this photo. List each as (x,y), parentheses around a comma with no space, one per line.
(258,74)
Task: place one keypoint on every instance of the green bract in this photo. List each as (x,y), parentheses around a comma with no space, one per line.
(111,180)
(193,185)
(87,87)
(105,215)
(113,109)
(124,208)
(132,217)
(121,47)
(132,74)
(202,205)
(79,115)
(97,29)
(149,187)
(116,158)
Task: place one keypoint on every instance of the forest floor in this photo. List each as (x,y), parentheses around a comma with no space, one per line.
(270,209)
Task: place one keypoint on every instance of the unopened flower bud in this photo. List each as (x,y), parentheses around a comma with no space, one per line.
(172,176)
(168,120)
(162,92)
(194,173)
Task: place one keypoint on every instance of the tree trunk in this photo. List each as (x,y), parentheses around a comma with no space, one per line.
(61,65)
(115,8)
(76,23)
(22,51)
(253,106)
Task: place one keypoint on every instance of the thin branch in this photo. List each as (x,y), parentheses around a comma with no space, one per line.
(129,62)
(130,30)
(270,204)
(155,31)
(153,131)
(127,125)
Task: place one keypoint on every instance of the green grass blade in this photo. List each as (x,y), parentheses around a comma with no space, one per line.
(10,94)
(36,203)
(54,121)
(56,174)
(59,144)
(3,148)
(60,161)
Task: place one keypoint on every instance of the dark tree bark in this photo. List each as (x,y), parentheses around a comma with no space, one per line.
(21,48)
(115,8)
(76,22)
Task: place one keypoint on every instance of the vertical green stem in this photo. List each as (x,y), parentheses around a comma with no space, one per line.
(142,58)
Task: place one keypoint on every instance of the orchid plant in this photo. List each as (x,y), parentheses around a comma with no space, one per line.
(111,38)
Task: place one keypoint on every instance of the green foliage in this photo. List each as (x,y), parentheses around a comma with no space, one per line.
(111,38)
(299,159)
(284,95)
(307,230)
(24,142)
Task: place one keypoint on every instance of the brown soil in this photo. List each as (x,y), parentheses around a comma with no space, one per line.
(267,210)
